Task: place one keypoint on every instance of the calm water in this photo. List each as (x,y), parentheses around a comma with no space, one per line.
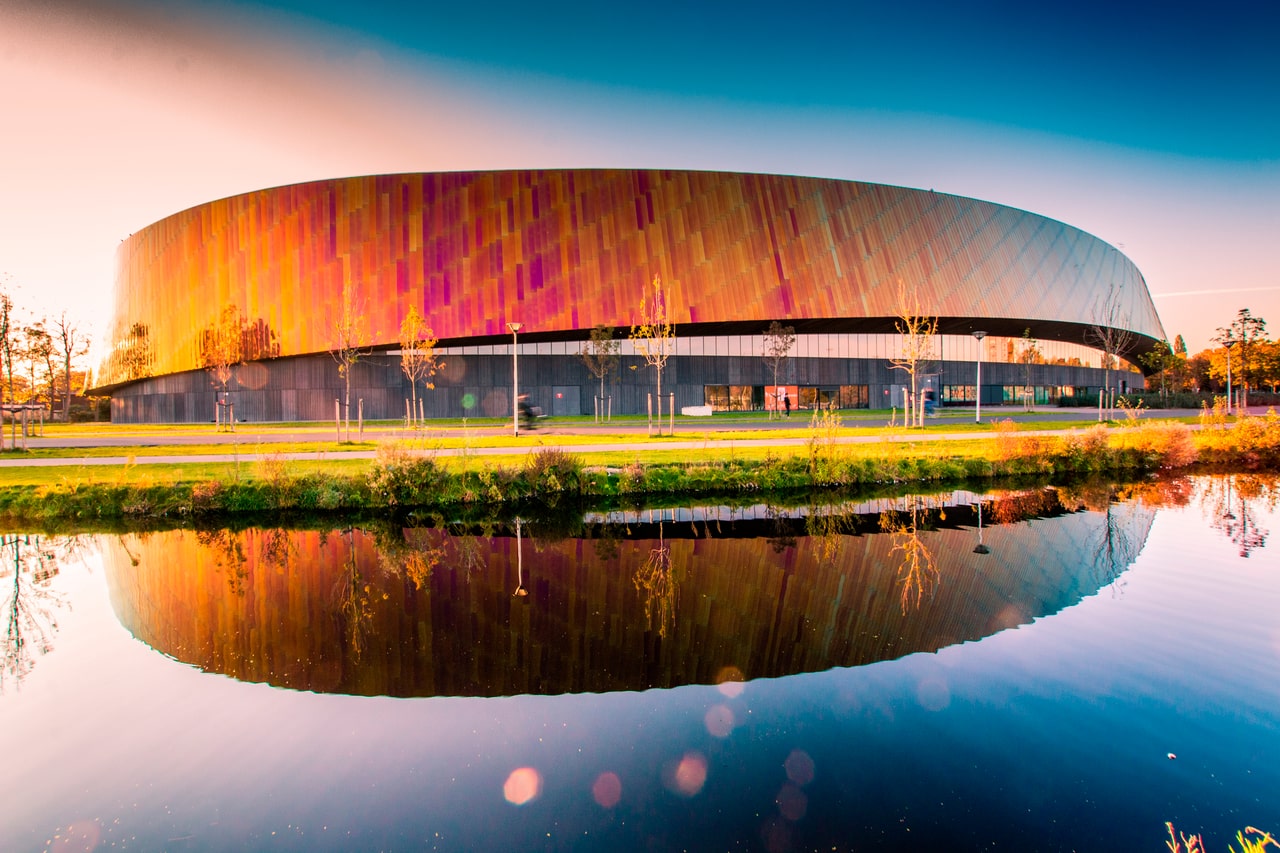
(1016,670)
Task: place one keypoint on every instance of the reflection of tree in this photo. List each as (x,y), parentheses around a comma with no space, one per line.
(30,618)
(354,597)
(1232,501)
(414,555)
(783,536)
(468,554)
(1012,507)
(133,353)
(917,572)
(227,551)
(277,548)
(1114,547)
(656,580)
(828,526)
(605,543)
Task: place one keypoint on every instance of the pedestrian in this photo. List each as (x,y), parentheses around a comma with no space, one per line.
(786,403)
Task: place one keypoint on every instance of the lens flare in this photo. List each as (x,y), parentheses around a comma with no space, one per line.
(686,776)
(719,721)
(607,789)
(522,786)
(799,767)
(792,802)
(729,681)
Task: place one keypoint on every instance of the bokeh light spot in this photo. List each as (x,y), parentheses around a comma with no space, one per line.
(607,789)
(729,681)
(522,786)
(687,776)
(799,767)
(253,374)
(80,835)
(776,835)
(792,802)
(468,402)
(719,720)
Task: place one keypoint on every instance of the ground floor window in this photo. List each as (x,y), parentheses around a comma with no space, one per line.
(755,398)
(855,397)
(1036,395)
(957,394)
(733,398)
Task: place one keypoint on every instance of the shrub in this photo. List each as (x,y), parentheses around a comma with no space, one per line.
(551,470)
(1170,443)
(401,478)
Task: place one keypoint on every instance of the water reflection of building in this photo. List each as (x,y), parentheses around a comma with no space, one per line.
(458,631)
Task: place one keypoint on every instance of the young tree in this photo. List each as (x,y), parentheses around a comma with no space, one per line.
(1162,361)
(1247,330)
(1110,333)
(1028,355)
(778,341)
(917,333)
(600,355)
(653,335)
(71,345)
(7,343)
(418,357)
(348,342)
(222,347)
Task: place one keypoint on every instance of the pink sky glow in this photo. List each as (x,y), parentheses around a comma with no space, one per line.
(115,119)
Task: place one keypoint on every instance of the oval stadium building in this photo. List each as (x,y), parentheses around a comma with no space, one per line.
(560,252)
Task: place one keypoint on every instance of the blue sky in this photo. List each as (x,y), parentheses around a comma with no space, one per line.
(1154,128)
(1174,77)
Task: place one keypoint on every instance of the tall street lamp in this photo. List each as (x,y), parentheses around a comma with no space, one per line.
(977,389)
(515,381)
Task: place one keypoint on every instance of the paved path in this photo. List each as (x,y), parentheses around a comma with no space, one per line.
(247,446)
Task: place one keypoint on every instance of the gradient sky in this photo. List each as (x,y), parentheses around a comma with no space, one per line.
(1156,129)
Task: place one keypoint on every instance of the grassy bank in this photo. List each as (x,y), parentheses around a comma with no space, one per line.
(408,474)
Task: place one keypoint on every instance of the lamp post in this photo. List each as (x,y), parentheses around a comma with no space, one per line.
(515,380)
(977,389)
(1228,344)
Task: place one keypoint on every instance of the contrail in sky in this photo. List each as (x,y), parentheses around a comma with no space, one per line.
(1215,291)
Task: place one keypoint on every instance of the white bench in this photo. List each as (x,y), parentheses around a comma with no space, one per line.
(696,411)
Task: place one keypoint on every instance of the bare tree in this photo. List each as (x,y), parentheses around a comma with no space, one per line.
(348,343)
(37,352)
(653,335)
(600,356)
(418,358)
(778,341)
(1110,333)
(72,344)
(917,333)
